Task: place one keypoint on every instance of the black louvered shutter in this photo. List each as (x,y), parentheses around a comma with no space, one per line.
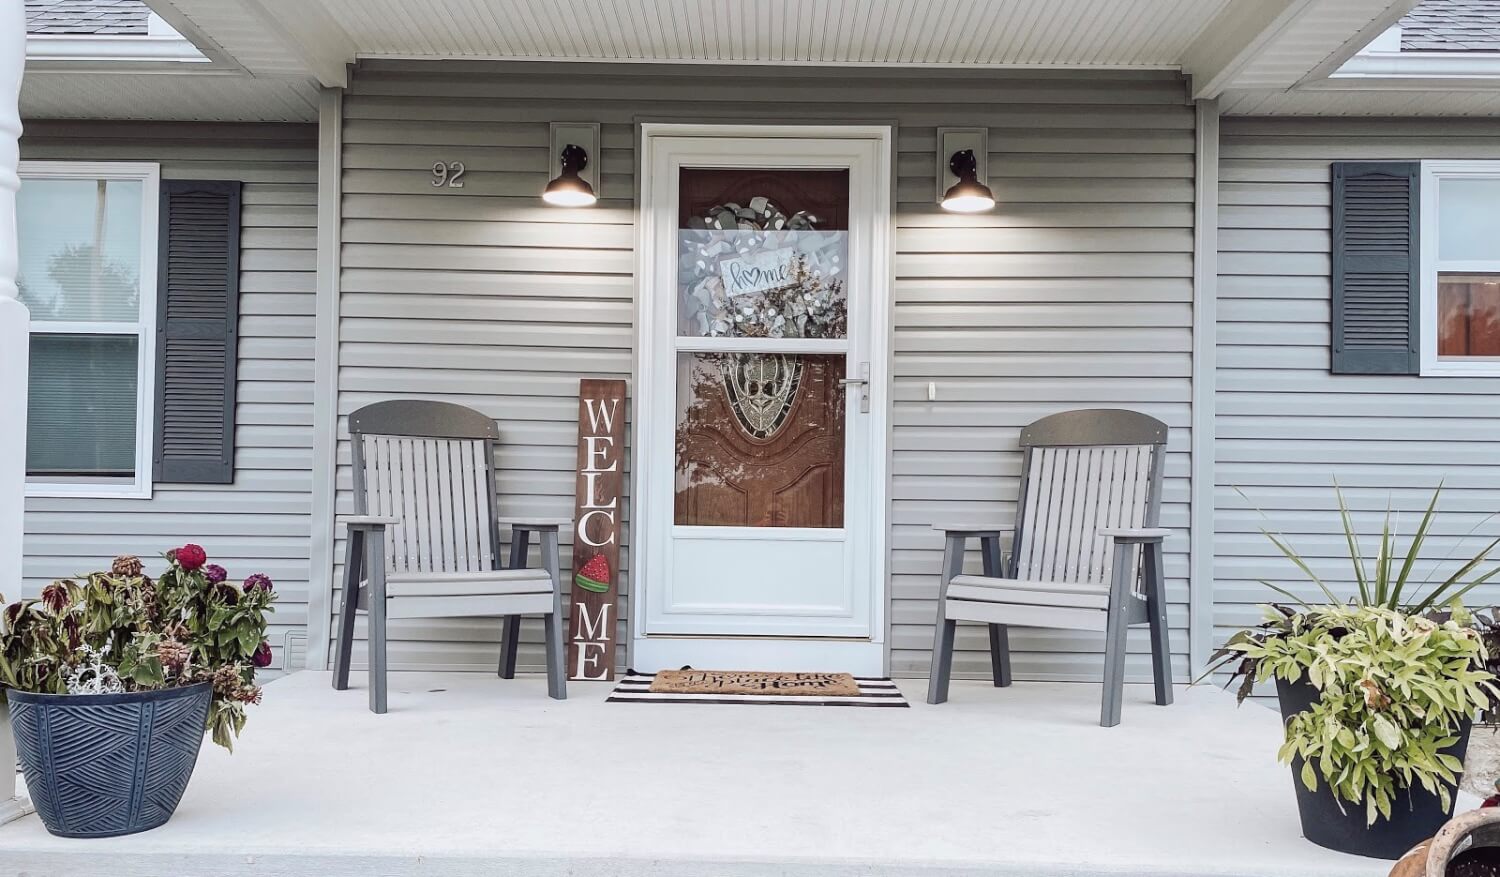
(1376,212)
(197,326)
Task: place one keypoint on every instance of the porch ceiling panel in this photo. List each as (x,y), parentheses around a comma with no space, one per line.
(238,28)
(221,98)
(1061,33)
(1324,34)
(1351,102)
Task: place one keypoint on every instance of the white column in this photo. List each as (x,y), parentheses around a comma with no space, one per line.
(14,327)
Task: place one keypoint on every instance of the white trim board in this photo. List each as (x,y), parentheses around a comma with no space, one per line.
(1205,386)
(325,376)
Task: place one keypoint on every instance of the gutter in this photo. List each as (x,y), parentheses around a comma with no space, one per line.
(112,48)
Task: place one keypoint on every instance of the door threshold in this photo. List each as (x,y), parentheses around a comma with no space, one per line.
(860,657)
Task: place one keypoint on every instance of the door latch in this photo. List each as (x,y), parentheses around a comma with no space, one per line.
(863,382)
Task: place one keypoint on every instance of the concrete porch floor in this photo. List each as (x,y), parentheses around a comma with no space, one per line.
(473,775)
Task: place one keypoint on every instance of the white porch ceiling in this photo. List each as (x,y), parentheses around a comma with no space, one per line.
(1254,52)
(1062,33)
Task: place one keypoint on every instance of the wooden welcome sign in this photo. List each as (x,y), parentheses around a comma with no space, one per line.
(596,534)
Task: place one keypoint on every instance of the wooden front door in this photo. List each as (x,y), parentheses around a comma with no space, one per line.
(759,449)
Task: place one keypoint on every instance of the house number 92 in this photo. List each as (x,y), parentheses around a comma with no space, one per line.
(448,173)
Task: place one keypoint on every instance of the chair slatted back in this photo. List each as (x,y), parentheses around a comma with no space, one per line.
(430,465)
(1083,471)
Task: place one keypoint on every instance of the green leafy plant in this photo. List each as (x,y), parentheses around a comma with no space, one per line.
(1395,690)
(1389,584)
(1400,666)
(120,630)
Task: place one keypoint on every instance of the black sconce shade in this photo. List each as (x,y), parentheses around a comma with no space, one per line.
(968,195)
(568,189)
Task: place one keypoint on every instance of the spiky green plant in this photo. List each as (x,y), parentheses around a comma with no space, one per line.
(1389,584)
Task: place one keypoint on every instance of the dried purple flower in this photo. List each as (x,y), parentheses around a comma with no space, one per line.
(258,580)
(215,573)
(174,655)
(262,656)
(227,593)
(126,565)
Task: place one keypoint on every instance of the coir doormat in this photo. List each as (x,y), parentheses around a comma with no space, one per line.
(737,686)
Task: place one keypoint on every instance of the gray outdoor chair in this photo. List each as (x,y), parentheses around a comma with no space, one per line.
(425,539)
(1090,492)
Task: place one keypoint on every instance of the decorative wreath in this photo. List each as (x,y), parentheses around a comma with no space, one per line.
(807,298)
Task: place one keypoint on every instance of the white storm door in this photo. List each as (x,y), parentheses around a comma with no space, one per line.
(763,449)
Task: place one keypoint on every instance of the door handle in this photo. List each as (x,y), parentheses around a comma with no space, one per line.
(863,382)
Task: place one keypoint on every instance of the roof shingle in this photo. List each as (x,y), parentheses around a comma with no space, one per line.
(103,17)
(1452,26)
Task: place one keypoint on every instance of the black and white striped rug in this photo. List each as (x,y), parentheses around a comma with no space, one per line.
(636,688)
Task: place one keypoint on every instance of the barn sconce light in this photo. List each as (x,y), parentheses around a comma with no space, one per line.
(568,189)
(572,145)
(962,158)
(968,195)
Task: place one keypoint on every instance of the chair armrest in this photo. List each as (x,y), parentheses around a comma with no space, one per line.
(367,522)
(1132,535)
(971,528)
(534,523)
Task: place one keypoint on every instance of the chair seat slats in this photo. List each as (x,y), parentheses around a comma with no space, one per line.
(459,606)
(997,590)
(1023,615)
(500,581)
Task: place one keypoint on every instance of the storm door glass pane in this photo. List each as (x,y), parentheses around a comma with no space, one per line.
(80,249)
(762,253)
(81,405)
(760,440)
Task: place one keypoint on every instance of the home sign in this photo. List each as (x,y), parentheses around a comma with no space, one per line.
(596,534)
(760,272)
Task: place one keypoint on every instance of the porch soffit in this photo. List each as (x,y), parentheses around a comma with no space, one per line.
(1222,40)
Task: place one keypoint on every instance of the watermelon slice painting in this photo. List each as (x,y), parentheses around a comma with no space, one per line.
(594,576)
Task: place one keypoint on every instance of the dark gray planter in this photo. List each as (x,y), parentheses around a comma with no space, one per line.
(1416,814)
(102,765)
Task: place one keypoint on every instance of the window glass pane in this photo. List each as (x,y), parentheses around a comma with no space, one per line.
(1468,223)
(760,440)
(80,412)
(80,248)
(1468,315)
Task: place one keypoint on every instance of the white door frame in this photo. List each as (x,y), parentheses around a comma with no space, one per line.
(864,655)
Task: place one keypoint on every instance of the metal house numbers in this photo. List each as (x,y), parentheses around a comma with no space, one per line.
(448,174)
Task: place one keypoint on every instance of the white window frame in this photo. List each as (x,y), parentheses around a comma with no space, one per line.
(149,174)
(1432,173)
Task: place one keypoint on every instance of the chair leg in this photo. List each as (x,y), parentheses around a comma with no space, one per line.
(354,560)
(1156,612)
(375,551)
(1000,655)
(557,685)
(942,660)
(989,547)
(510,642)
(510,638)
(1115,629)
(944,627)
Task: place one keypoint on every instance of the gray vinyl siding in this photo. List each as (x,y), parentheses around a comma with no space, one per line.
(1076,291)
(1286,426)
(261,522)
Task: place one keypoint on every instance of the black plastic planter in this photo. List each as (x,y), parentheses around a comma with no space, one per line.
(102,765)
(1416,814)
